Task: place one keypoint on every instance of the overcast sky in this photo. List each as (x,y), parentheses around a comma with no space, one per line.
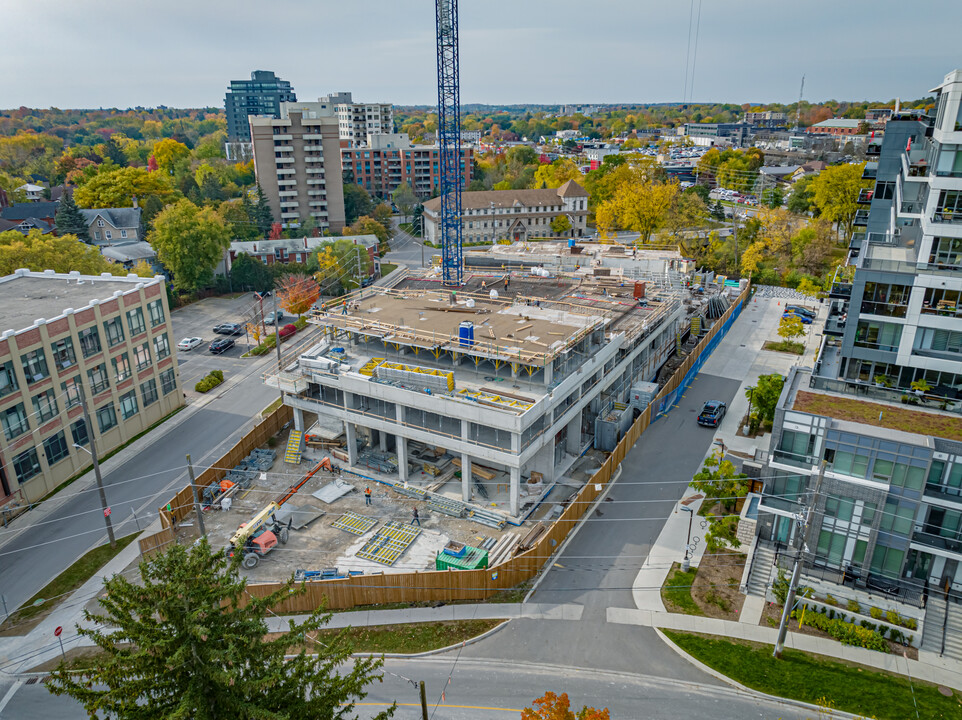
(183,53)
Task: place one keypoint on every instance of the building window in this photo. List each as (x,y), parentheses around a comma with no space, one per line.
(142,356)
(26,465)
(878,335)
(100,222)
(886,299)
(98,378)
(148,392)
(89,341)
(107,235)
(887,561)
(71,391)
(156,311)
(121,365)
(14,421)
(161,346)
(135,321)
(55,448)
(79,432)
(63,354)
(168,383)
(123,233)
(106,417)
(8,379)
(128,404)
(45,405)
(34,365)
(114,331)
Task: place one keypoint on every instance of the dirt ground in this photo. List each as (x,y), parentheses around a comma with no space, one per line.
(772,615)
(715,589)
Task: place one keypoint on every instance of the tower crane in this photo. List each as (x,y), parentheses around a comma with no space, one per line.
(449,143)
(798,108)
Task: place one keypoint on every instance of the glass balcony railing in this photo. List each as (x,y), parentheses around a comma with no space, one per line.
(948,544)
(795,459)
(943,491)
(947,216)
(861,218)
(865,196)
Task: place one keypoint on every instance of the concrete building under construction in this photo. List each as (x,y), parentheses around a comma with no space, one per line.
(508,380)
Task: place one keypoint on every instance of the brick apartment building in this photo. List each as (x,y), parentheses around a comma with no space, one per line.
(390,159)
(109,335)
(297,164)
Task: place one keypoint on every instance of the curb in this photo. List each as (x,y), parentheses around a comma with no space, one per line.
(449,648)
(820,712)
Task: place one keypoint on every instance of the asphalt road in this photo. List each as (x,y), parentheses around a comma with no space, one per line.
(480,690)
(407,249)
(32,559)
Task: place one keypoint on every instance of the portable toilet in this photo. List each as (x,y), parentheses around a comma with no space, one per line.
(466,333)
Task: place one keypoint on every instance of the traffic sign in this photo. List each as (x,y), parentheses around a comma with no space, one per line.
(106,512)
(56,633)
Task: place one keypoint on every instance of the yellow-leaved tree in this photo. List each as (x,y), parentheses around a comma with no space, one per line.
(640,206)
(557,173)
(296,293)
(39,252)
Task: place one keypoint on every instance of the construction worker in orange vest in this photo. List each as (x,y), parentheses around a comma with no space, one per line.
(367,496)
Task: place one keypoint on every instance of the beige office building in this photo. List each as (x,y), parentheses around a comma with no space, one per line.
(297,160)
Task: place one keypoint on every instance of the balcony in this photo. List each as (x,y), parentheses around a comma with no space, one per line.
(865,197)
(948,544)
(279,160)
(835,325)
(873,149)
(947,217)
(841,290)
(909,207)
(943,492)
(794,459)
(857,240)
(861,218)
(870,171)
(883,309)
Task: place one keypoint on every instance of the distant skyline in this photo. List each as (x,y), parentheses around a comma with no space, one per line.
(108,53)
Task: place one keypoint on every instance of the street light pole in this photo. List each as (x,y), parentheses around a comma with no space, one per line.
(93,456)
(686,563)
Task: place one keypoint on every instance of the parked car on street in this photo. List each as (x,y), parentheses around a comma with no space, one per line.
(189,343)
(712,413)
(229,329)
(273,318)
(801,310)
(221,345)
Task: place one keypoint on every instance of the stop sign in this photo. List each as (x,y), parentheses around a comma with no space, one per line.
(58,631)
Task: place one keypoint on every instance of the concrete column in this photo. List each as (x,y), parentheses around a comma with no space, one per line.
(350,434)
(465,477)
(298,419)
(382,440)
(549,372)
(515,490)
(573,445)
(402,458)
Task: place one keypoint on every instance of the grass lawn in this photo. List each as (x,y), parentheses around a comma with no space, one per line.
(43,603)
(272,407)
(387,269)
(410,638)
(785,346)
(895,418)
(676,591)
(820,681)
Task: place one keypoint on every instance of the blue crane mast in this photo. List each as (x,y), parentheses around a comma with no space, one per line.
(449,143)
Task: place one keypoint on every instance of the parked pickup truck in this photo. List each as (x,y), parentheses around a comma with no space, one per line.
(712,413)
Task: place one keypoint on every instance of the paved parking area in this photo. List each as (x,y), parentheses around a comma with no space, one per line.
(198,320)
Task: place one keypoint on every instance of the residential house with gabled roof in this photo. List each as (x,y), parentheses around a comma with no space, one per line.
(108,226)
(516,215)
(26,225)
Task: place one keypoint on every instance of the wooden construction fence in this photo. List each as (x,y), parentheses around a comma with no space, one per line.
(451,585)
(182,504)
(153,544)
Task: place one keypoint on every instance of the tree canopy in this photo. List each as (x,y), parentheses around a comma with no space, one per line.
(69,220)
(357,202)
(63,253)
(250,273)
(835,191)
(187,641)
(189,241)
(117,188)
(297,293)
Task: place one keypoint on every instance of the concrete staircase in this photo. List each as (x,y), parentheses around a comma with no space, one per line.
(295,446)
(934,617)
(762,570)
(953,632)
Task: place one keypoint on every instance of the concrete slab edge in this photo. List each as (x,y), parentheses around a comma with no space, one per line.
(564,543)
(821,712)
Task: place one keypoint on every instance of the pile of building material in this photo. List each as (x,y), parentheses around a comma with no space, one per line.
(378,461)
(389,543)
(504,548)
(529,540)
(334,490)
(414,376)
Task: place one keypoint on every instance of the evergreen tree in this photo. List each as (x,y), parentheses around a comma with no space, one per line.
(115,152)
(262,213)
(188,642)
(69,220)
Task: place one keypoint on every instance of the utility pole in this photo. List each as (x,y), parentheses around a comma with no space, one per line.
(197,507)
(277,344)
(96,462)
(424,702)
(801,543)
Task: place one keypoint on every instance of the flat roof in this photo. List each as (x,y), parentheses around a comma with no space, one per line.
(28,296)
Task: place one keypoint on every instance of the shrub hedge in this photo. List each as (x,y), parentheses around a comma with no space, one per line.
(208,383)
(845,632)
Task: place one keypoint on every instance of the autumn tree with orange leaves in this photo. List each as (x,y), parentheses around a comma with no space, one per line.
(556,707)
(296,293)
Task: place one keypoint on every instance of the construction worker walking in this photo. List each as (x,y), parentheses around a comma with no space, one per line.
(367,496)
(417,518)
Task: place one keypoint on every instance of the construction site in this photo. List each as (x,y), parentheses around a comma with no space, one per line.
(430,429)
